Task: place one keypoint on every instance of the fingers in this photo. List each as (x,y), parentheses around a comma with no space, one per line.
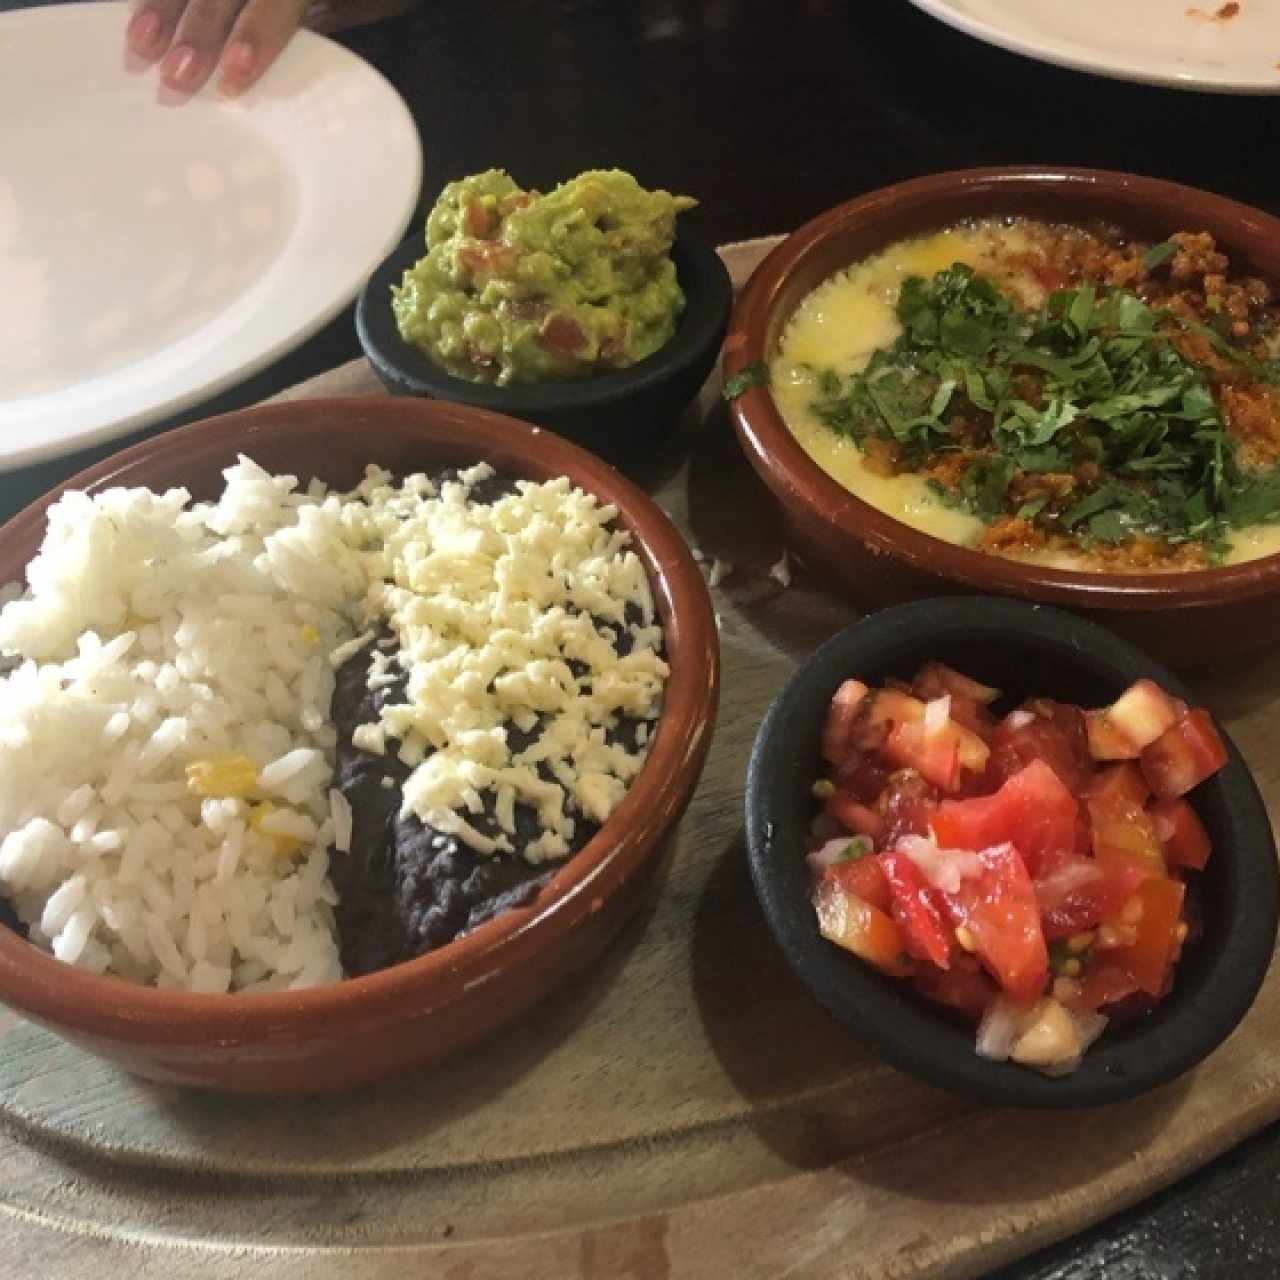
(261,31)
(151,28)
(198,43)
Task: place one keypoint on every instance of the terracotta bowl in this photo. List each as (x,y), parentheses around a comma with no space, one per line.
(1026,651)
(359,1030)
(1185,619)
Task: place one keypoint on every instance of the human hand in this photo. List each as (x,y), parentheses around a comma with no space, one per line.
(190,38)
(239,38)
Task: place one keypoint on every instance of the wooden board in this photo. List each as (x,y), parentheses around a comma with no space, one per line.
(684,1111)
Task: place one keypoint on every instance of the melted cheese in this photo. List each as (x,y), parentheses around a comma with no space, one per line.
(846,319)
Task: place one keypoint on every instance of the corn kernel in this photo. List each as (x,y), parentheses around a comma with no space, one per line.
(824,789)
(230,776)
(1072,969)
(966,939)
(285,846)
(309,634)
(1132,911)
(1079,942)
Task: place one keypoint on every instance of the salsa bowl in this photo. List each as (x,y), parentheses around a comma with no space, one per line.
(361,1029)
(1186,618)
(1025,650)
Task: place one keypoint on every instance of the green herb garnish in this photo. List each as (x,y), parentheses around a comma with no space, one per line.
(1089,392)
(755,374)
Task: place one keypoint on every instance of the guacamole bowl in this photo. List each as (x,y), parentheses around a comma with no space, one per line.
(616,414)
(1185,618)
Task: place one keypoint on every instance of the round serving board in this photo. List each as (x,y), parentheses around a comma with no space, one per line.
(684,1110)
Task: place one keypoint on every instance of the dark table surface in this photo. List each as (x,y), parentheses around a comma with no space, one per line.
(771,111)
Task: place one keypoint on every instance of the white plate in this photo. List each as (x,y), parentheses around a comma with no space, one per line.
(1180,43)
(152,254)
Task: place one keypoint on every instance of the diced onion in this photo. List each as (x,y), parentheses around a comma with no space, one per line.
(1068,878)
(1019,719)
(944,869)
(936,714)
(830,853)
(999,1029)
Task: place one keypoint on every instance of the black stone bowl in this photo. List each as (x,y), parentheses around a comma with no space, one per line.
(619,415)
(1025,650)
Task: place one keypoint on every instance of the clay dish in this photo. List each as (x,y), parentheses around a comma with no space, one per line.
(1185,619)
(359,1030)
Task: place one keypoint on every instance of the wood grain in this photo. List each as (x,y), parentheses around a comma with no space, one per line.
(683,1111)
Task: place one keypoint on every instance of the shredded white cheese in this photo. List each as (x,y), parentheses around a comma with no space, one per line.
(507,613)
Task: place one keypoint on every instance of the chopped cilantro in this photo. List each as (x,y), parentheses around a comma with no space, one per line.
(755,374)
(1088,389)
(1159,254)
(858,847)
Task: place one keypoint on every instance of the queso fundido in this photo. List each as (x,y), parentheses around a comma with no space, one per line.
(1055,394)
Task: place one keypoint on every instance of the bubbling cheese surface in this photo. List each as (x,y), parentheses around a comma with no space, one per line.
(847,318)
(531,610)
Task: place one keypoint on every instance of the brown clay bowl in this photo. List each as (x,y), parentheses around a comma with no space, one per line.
(410,1014)
(1186,619)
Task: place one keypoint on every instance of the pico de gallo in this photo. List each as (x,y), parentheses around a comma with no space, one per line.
(1029,871)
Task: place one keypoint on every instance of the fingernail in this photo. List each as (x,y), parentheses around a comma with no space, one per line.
(144,31)
(182,68)
(237,62)
(318,12)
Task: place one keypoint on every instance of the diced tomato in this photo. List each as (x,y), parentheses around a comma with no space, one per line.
(1150,958)
(1106,742)
(1079,893)
(1123,832)
(936,679)
(999,909)
(937,758)
(966,989)
(973,716)
(1032,810)
(1103,984)
(1185,756)
(1179,829)
(562,334)
(1143,712)
(855,816)
(906,806)
(477,219)
(861,928)
(1054,733)
(487,258)
(837,732)
(864,878)
(1120,784)
(916,911)
(863,776)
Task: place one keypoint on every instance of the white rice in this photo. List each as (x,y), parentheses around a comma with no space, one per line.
(155,635)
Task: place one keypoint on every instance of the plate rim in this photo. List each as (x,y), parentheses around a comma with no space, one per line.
(1075,57)
(164,396)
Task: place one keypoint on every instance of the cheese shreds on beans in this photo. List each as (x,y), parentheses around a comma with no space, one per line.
(508,613)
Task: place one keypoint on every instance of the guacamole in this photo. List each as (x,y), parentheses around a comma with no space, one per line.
(522,287)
